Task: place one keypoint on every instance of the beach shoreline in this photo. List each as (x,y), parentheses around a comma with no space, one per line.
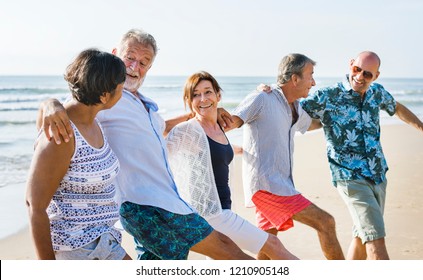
(403,149)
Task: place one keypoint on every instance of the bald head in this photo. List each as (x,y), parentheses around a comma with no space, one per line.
(363,71)
(370,57)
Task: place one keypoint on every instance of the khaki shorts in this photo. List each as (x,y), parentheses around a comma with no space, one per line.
(366,204)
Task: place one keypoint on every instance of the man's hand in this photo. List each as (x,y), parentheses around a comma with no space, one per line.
(224,119)
(264,87)
(54,120)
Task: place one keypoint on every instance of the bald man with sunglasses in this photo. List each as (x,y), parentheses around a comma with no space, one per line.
(349,112)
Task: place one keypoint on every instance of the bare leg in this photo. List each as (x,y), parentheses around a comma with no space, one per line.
(261,255)
(376,250)
(324,223)
(273,249)
(357,250)
(127,257)
(220,247)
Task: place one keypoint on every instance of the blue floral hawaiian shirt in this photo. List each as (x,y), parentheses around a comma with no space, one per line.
(352,129)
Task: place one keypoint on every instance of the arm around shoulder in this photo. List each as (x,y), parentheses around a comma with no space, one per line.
(54,120)
(171,123)
(237,122)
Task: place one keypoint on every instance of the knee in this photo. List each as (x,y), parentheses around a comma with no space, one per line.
(273,244)
(274,249)
(273,241)
(330,221)
(327,222)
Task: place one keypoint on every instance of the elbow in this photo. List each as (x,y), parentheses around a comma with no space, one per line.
(35,208)
(30,208)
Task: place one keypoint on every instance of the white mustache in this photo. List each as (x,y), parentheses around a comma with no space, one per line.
(130,72)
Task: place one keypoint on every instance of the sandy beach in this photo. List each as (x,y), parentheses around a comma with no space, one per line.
(403,147)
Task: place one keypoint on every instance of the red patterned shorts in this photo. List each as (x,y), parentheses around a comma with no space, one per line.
(274,211)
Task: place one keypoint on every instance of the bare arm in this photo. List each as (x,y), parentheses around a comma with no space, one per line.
(224,119)
(54,120)
(315,124)
(237,122)
(408,117)
(228,121)
(171,123)
(49,164)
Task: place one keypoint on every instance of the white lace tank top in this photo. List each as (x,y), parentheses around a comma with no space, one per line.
(83,207)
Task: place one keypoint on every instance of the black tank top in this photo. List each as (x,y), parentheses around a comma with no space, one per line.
(221,156)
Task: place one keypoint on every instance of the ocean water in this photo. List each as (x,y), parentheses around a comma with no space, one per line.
(20,97)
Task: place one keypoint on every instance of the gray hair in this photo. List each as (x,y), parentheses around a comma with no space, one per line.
(141,37)
(292,64)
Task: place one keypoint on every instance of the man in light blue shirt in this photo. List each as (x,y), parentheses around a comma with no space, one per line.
(349,112)
(163,225)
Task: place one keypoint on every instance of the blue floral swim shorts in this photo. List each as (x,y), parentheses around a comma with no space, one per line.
(162,235)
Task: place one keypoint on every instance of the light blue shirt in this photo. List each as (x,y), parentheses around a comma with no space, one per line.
(136,137)
(268,142)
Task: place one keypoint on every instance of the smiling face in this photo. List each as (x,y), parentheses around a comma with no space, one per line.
(138,59)
(363,71)
(204,99)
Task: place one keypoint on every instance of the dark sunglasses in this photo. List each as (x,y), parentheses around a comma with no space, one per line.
(366,74)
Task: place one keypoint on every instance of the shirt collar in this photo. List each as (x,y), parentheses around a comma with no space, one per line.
(280,93)
(147,101)
(346,83)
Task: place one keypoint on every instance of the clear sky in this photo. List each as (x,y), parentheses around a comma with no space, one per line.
(224,37)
